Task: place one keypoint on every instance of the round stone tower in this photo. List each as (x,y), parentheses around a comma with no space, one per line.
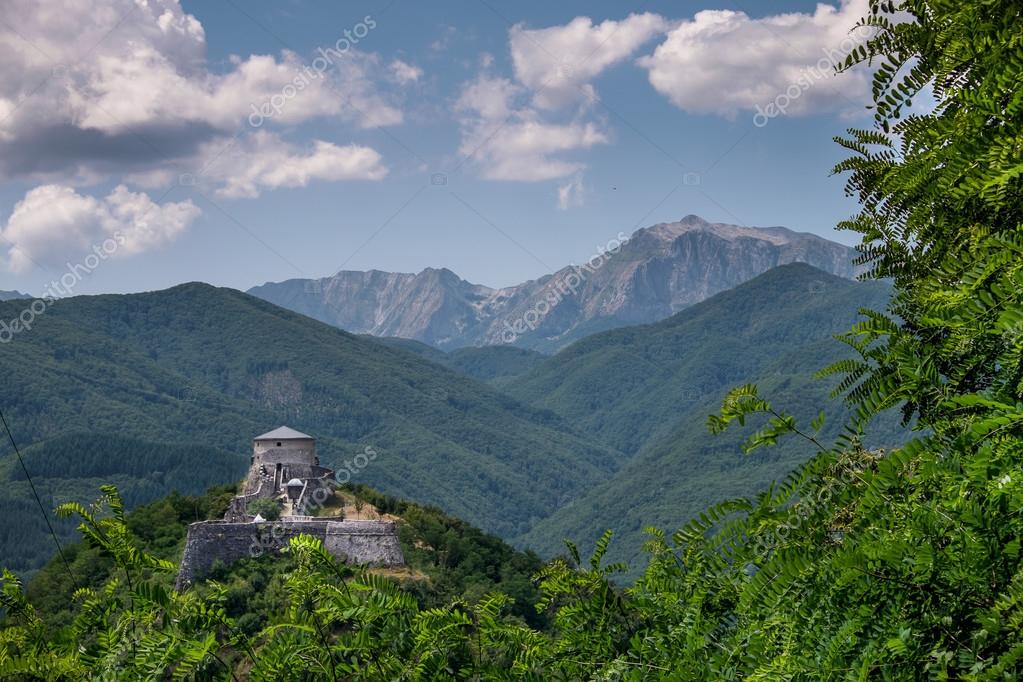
(284,463)
(284,445)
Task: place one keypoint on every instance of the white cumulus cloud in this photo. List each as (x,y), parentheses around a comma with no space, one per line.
(100,87)
(54,224)
(513,141)
(528,129)
(722,61)
(557,63)
(264,161)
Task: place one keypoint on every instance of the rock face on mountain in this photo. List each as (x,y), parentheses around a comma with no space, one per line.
(644,278)
(435,306)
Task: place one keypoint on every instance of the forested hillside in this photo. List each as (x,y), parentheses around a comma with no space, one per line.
(446,558)
(496,365)
(647,391)
(74,465)
(218,378)
(206,368)
(633,386)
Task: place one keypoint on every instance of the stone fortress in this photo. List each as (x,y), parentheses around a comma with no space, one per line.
(285,468)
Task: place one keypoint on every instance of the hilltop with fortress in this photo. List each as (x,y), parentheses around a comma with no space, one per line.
(286,471)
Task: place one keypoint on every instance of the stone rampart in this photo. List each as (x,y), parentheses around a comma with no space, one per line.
(355,542)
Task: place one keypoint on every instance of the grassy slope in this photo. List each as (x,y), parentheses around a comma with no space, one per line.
(201,366)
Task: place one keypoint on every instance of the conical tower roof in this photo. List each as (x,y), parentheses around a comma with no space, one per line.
(284,433)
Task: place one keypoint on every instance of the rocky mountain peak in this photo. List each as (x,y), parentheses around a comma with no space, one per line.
(658,272)
(668,232)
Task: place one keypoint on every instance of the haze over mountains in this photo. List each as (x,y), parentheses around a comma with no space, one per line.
(647,277)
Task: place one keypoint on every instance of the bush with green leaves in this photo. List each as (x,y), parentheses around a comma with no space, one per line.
(267,507)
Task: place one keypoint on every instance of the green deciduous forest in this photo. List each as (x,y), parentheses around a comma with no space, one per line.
(166,404)
(863,564)
(647,390)
(73,466)
(447,559)
(206,369)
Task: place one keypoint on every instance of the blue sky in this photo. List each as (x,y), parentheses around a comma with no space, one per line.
(500,140)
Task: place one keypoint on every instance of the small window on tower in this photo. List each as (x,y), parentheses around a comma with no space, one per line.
(278,444)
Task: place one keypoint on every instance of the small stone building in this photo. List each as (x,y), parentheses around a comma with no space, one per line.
(285,468)
(278,457)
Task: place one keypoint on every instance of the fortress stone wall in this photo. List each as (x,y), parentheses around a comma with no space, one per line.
(285,455)
(279,457)
(374,543)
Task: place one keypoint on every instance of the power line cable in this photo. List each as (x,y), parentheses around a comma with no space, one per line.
(35,493)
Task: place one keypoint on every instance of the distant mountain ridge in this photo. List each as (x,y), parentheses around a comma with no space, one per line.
(645,278)
(12,295)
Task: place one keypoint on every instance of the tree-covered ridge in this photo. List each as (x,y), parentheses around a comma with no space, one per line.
(210,368)
(632,386)
(648,390)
